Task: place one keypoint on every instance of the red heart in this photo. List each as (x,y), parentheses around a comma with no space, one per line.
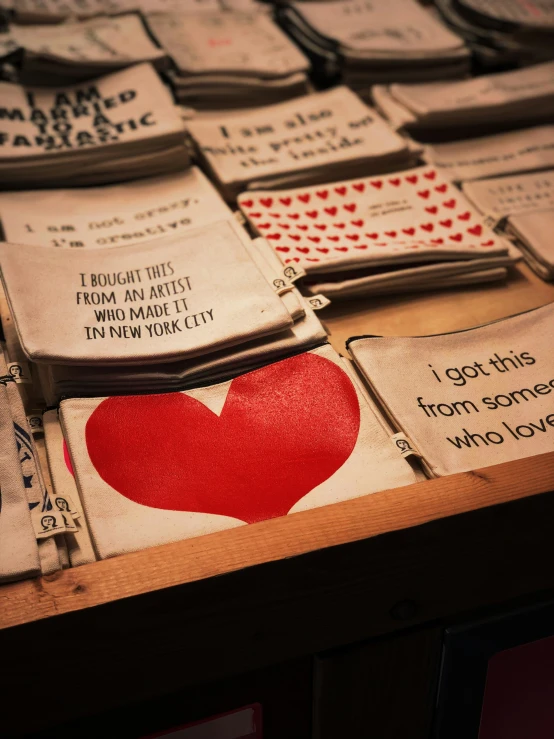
(449,203)
(274,236)
(333,238)
(441,188)
(322,194)
(304,198)
(487,243)
(293,215)
(296,237)
(321,226)
(341,248)
(372,236)
(301,227)
(437,241)
(266,202)
(331,211)
(456,237)
(424,193)
(315,239)
(361,246)
(247,203)
(242,463)
(309,259)
(322,249)
(360,187)
(352,237)
(447,223)
(465,216)
(427,227)
(408,231)
(412,178)
(378,184)
(339,225)
(430,175)
(392,234)
(311,213)
(293,259)
(282,248)
(303,249)
(285,201)
(359,223)
(254,215)
(286,226)
(340,190)
(475,230)
(351,207)
(395,181)
(274,215)
(264,225)
(431,209)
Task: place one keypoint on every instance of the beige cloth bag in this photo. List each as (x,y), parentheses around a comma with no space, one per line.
(311,139)
(500,197)
(158,301)
(117,127)
(307,332)
(406,218)
(83,49)
(79,543)
(233,43)
(34,483)
(290,436)
(117,215)
(489,102)
(513,152)
(533,234)
(19,557)
(467,399)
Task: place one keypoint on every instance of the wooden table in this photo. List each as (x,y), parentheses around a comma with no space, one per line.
(401,563)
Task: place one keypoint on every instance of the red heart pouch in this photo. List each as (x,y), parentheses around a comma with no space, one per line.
(283,430)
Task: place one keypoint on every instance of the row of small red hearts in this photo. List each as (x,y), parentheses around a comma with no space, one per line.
(350,207)
(428,227)
(359,187)
(408,244)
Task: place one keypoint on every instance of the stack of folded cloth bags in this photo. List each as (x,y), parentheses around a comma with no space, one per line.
(513,152)
(33,521)
(121,126)
(411,230)
(230,59)
(66,53)
(314,138)
(187,297)
(521,207)
(365,43)
(57,11)
(501,32)
(490,103)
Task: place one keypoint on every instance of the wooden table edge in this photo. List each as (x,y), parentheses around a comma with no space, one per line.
(234,549)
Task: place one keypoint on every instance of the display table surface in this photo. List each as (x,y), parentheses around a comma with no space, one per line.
(255,595)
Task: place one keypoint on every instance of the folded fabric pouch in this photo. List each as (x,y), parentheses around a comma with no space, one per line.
(117,127)
(79,543)
(315,138)
(467,399)
(179,297)
(532,232)
(526,150)
(114,215)
(290,436)
(406,218)
(19,555)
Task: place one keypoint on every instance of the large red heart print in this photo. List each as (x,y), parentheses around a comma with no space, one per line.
(283,430)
